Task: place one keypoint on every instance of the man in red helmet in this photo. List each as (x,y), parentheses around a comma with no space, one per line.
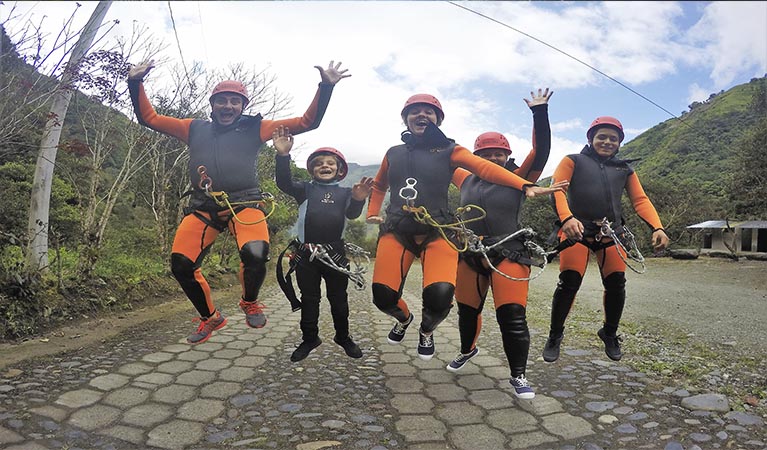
(419,173)
(223,156)
(597,181)
(503,207)
(323,207)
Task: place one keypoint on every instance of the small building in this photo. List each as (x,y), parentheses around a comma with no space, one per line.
(741,236)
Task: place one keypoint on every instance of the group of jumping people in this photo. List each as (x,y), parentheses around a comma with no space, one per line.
(460,258)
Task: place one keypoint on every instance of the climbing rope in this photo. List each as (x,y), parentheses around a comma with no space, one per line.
(422,215)
(222,198)
(625,240)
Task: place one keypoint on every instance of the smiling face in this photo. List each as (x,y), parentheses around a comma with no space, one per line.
(606,141)
(227,108)
(496,155)
(324,168)
(418,116)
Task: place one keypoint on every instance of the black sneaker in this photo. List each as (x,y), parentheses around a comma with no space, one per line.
(460,360)
(397,333)
(352,350)
(304,348)
(551,349)
(425,345)
(612,345)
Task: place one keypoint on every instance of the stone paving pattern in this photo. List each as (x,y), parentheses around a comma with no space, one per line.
(151,390)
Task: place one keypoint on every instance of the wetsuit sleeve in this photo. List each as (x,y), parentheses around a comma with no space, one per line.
(486,170)
(535,161)
(146,115)
(564,171)
(459,176)
(642,204)
(309,121)
(285,180)
(380,186)
(354,209)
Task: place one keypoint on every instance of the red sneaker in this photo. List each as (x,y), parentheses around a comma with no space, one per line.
(254,313)
(206,328)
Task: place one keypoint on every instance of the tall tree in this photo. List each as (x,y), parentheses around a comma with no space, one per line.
(37,227)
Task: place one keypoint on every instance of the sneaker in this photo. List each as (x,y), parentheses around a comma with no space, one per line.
(304,348)
(521,387)
(254,313)
(352,349)
(459,361)
(206,328)
(425,345)
(612,345)
(551,349)
(397,334)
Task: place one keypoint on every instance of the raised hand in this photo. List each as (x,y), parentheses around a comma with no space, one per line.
(333,74)
(139,71)
(362,189)
(541,99)
(282,140)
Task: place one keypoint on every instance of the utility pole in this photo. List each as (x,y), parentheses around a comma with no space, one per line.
(39,208)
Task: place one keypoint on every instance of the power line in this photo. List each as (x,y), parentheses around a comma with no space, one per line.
(564,53)
(178,44)
(202,34)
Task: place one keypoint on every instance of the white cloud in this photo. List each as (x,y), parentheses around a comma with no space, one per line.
(734,36)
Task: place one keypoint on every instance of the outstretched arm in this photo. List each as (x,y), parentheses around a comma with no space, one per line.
(145,113)
(535,161)
(313,116)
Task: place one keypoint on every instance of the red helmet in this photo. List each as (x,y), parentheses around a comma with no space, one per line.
(233,87)
(343,167)
(427,100)
(605,121)
(492,139)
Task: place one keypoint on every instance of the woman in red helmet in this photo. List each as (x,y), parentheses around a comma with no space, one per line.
(323,207)
(597,181)
(503,207)
(223,156)
(418,173)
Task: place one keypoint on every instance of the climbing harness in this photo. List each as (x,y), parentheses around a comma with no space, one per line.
(477,246)
(468,240)
(625,240)
(222,198)
(422,216)
(357,257)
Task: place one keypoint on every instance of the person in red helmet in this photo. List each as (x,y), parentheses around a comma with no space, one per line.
(323,207)
(503,206)
(418,173)
(223,154)
(597,180)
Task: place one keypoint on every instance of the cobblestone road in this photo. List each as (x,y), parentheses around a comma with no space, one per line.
(148,389)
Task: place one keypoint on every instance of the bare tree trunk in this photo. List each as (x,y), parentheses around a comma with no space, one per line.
(37,228)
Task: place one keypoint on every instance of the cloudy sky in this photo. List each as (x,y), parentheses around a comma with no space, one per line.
(479,66)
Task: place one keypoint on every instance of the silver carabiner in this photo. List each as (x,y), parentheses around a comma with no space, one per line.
(409,186)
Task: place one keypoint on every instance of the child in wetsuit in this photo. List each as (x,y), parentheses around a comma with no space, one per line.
(323,207)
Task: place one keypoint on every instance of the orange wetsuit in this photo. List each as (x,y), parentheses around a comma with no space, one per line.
(229,155)
(421,170)
(595,191)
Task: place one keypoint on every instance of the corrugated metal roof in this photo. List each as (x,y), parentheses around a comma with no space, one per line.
(733,224)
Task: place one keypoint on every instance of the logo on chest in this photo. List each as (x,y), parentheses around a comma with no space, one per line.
(328,198)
